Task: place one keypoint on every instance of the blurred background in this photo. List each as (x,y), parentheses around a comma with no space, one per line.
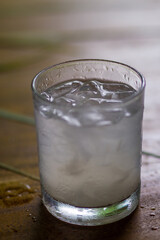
(39,33)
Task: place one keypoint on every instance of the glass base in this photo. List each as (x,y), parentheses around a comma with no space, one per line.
(91,216)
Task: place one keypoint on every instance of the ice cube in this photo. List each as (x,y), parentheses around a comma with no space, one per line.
(69,96)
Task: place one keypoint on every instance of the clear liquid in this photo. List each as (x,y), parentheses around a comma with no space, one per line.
(89,154)
(83,103)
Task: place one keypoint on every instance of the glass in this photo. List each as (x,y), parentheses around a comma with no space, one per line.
(90,173)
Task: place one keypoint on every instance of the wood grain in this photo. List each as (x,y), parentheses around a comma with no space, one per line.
(38,33)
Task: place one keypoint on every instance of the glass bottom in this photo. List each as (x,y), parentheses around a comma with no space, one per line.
(91,216)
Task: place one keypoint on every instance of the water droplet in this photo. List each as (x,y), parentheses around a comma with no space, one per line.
(15,193)
(27,186)
(9,191)
(105,68)
(58,74)
(75,69)
(153,208)
(154,228)
(152,214)
(141,206)
(34,219)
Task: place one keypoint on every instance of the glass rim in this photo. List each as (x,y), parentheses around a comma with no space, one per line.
(125,101)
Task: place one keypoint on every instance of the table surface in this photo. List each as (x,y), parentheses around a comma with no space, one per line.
(38,33)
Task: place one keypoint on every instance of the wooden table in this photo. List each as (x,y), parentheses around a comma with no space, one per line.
(35,34)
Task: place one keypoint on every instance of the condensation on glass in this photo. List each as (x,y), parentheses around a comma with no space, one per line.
(89,154)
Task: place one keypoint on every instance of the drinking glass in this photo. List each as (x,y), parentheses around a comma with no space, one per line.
(89,172)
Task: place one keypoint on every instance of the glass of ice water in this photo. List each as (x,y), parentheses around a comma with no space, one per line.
(89,129)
